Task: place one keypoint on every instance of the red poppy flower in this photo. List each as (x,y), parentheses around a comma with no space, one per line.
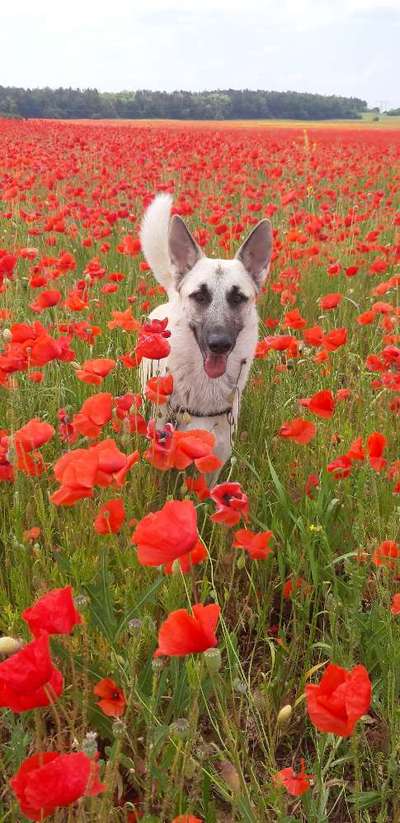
(232,503)
(187,561)
(95,412)
(376,445)
(294,320)
(124,320)
(110,517)
(256,544)
(183,633)
(312,482)
(129,245)
(299,430)
(395,607)
(198,486)
(112,702)
(48,780)
(158,389)
(54,613)
(80,470)
(335,338)
(76,471)
(46,300)
(339,700)
(33,435)
(366,318)
(341,467)
(186,818)
(94,371)
(313,336)
(330,301)
(163,536)
(153,341)
(32,534)
(356,450)
(386,553)
(28,678)
(322,403)
(171,449)
(295,784)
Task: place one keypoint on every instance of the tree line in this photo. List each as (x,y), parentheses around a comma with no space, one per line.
(228,104)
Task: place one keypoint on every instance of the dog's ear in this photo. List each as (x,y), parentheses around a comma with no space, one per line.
(255,252)
(183,249)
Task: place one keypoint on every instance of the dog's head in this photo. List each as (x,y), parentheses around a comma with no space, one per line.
(218,295)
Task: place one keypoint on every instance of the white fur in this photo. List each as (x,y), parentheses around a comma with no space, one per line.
(154,238)
(193,389)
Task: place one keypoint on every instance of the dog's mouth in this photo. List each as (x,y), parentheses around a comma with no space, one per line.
(215,364)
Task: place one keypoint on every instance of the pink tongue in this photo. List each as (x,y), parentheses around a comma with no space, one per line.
(215,364)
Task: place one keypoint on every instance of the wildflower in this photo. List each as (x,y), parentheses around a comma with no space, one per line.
(168,534)
(232,503)
(322,403)
(256,544)
(183,633)
(295,784)
(28,678)
(48,780)
(54,613)
(339,700)
(299,430)
(94,371)
(110,517)
(112,699)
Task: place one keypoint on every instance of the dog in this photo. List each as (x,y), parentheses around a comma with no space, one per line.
(212,318)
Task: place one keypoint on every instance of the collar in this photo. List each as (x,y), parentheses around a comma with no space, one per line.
(174,413)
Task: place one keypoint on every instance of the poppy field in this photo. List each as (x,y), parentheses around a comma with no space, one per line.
(168,651)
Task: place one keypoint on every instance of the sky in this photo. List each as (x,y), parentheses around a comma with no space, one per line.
(348,47)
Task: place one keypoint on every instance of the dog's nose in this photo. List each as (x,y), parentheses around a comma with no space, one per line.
(219,343)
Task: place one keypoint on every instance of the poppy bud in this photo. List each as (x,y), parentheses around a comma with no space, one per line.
(89,744)
(9,645)
(7,335)
(213,660)
(179,728)
(135,625)
(239,686)
(284,715)
(118,728)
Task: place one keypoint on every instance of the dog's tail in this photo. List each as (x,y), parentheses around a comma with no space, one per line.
(154,238)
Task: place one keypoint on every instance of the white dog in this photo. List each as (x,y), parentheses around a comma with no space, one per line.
(212,317)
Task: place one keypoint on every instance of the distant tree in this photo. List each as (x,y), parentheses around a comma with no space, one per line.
(393,112)
(220,104)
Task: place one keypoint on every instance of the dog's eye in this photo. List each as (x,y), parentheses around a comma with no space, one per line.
(201,297)
(235,298)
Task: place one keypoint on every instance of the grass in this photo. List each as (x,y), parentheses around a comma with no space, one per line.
(193,740)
